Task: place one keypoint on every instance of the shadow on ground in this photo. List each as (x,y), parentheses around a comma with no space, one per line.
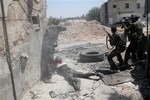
(116,96)
(138,73)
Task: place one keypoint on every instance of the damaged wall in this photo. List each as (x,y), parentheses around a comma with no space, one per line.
(26,25)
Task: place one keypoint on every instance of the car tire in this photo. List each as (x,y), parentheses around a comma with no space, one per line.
(91,55)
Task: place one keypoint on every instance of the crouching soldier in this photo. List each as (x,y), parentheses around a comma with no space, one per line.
(70,75)
(120,44)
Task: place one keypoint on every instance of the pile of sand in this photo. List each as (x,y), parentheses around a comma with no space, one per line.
(81,30)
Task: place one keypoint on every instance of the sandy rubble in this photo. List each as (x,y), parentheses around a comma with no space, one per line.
(79,35)
(81,30)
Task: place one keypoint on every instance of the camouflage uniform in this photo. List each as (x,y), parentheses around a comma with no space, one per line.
(136,37)
(72,76)
(141,39)
(120,45)
(131,48)
(48,49)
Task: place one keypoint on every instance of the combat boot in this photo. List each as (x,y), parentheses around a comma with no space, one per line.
(124,67)
(114,70)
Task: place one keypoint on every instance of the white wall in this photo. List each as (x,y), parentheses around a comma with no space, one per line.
(6,4)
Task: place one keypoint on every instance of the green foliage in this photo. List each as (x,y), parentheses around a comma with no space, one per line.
(50,21)
(93,14)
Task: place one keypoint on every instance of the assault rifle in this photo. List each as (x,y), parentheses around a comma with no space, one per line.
(110,37)
(100,75)
(124,22)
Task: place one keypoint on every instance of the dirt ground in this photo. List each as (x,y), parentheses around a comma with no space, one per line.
(81,35)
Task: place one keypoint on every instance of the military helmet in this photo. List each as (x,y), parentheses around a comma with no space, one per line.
(134,16)
(126,19)
(113,29)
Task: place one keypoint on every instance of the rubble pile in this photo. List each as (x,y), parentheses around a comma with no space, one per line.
(82,30)
(70,43)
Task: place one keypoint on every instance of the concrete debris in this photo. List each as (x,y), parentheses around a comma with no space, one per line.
(52,94)
(132,85)
(35,95)
(24,55)
(78,36)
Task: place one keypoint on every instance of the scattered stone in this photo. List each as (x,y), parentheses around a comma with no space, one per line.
(35,95)
(76,63)
(85,94)
(92,36)
(46,80)
(52,94)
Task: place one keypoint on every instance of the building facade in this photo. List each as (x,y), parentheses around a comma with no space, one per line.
(117,9)
(104,13)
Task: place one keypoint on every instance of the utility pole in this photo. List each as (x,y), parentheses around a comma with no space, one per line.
(7,49)
(148,47)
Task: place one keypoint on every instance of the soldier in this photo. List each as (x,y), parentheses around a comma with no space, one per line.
(126,25)
(48,49)
(132,46)
(120,44)
(71,75)
(136,36)
(141,43)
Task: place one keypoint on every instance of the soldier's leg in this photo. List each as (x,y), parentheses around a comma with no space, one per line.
(74,82)
(48,73)
(83,75)
(110,59)
(121,65)
(127,54)
(87,75)
(119,50)
(141,48)
(133,51)
(119,57)
(130,49)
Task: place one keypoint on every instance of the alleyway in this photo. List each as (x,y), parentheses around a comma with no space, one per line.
(81,35)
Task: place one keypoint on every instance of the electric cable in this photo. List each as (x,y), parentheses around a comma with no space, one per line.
(23,9)
(31,6)
(8,58)
(148,46)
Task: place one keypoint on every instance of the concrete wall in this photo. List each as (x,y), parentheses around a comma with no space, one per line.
(142,4)
(120,8)
(104,13)
(120,11)
(25,39)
